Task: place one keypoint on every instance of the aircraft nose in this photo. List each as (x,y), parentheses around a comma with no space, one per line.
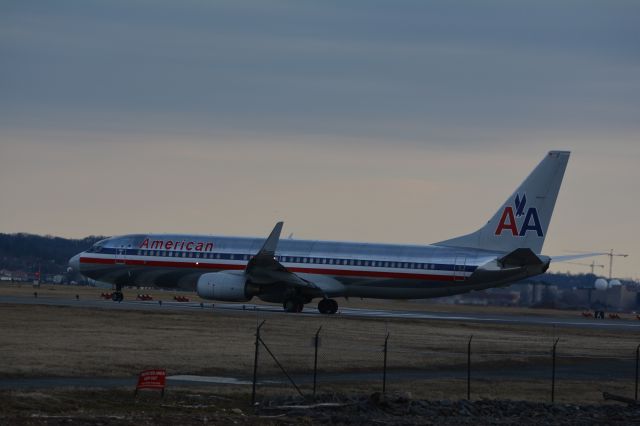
(74,263)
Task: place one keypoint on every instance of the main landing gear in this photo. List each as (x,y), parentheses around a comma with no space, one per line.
(293,305)
(296,304)
(117,295)
(327,306)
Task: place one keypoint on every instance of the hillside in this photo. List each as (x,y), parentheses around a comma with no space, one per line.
(29,253)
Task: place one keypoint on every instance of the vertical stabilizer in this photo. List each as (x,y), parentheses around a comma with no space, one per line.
(523,219)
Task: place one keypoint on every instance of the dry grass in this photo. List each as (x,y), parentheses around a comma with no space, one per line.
(39,340)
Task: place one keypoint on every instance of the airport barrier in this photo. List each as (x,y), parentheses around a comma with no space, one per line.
(478,365)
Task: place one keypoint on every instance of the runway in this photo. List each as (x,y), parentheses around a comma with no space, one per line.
(248,308)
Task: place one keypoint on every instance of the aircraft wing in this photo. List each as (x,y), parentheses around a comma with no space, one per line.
(263,268)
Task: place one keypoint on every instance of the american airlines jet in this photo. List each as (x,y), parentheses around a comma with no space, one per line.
(294,272)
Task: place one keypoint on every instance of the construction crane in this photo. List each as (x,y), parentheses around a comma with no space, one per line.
(611,254)
(592,265)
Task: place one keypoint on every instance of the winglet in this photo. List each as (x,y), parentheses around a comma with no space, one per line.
(269,247)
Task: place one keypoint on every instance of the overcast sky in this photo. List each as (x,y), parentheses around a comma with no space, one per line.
(389,121)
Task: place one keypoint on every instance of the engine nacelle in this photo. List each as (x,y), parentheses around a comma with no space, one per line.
(224,286)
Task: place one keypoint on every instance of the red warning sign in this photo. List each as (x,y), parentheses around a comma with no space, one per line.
(152,379)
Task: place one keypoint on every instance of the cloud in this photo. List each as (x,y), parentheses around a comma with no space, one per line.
(409,72)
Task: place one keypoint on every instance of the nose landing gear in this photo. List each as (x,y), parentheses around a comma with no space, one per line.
(327,306)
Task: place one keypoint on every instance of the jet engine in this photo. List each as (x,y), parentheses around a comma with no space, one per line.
(224,286)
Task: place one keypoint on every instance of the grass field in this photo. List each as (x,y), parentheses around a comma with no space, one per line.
(45,341)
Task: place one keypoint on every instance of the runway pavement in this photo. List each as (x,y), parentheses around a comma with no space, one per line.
(599,370)
(618,324)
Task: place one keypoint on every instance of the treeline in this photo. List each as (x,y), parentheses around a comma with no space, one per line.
(30,253)
(568,280)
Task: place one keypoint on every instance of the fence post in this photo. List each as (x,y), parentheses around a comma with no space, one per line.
(255,364)
(553,372)
(315,360)
(637,358)
(384,370)
(469,368)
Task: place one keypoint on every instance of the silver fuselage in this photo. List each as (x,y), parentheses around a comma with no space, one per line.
(344,268)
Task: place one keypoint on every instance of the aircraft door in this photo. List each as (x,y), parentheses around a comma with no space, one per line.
(459,268)
(121,255)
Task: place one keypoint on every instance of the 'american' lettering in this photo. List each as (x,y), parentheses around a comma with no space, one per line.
(176,245)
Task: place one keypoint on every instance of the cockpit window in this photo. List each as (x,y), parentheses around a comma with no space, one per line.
(97,247)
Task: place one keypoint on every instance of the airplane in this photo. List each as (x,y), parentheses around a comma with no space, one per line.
(294,272)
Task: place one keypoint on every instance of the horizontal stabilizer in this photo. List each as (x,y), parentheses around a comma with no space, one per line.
(569,257)
(520,257)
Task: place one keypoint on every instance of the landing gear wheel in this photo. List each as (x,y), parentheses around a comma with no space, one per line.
(117,296)
(328,306)
(293,305)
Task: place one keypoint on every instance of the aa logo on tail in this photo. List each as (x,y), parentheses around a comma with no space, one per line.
(509,223)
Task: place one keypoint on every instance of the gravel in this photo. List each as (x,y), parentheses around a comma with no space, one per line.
(402,409)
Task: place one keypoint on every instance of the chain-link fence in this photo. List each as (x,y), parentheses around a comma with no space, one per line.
(339,357)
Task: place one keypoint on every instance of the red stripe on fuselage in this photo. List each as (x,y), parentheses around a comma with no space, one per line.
(224,266)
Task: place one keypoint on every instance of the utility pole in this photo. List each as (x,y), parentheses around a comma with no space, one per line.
(611,254)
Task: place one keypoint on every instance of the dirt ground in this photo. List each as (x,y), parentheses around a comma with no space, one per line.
(198,407)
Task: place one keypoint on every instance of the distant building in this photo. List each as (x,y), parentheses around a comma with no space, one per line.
(619,298)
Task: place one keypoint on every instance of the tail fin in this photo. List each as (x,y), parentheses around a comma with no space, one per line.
(523,219)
